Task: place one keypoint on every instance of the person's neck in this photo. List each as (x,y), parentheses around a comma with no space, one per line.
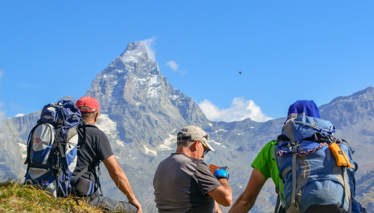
(187,152)
(90,122)
(184,151)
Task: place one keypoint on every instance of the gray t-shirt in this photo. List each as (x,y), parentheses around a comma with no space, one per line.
(181,184)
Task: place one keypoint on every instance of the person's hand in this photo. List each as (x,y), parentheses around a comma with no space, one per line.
(136,203)
(220,173)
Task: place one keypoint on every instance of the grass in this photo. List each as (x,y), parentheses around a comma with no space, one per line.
(15,197)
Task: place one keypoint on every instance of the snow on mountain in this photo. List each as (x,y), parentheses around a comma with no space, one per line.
(168,142)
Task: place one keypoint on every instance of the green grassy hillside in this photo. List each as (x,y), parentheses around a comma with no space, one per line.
(15,197)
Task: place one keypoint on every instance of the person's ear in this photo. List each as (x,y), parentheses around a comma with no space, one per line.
(96,116)
(196,145)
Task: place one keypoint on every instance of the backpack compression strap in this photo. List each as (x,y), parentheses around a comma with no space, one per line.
(73,182)
(294,207)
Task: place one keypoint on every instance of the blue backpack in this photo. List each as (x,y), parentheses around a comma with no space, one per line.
(52,148)
(313,182)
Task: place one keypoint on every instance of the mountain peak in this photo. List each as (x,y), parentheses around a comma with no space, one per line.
(135,45)
(134,51)
(133,92)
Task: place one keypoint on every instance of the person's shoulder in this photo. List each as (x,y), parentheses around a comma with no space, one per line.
(181,157)
(265,152)
(270,144)
(178,157)
(93,129)
(200,164)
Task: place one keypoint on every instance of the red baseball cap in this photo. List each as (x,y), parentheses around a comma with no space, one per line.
(88,102)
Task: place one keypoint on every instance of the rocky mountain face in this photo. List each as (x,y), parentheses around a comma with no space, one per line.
(134,94)
(353,117)
(141,114)
(13,146)
(365,190)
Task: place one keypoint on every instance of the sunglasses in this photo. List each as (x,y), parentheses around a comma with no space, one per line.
(206,148)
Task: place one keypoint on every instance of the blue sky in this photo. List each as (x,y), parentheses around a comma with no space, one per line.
(286,50)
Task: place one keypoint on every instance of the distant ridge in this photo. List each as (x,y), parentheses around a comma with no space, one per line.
(367,90)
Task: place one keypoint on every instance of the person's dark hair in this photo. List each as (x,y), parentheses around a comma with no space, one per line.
(90,116)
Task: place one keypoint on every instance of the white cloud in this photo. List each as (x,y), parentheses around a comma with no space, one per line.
(148,43)
(19,115)
(240,109)
(174,66)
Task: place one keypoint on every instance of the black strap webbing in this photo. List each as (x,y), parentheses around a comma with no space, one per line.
(29,143)
(80,143)
(277,205)
(78,176)
(98,185)
(42,166)
(28,160)
(94,195)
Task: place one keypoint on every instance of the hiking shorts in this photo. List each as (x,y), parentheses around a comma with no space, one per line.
(113,205)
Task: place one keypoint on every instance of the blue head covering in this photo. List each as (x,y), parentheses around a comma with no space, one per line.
(303,108)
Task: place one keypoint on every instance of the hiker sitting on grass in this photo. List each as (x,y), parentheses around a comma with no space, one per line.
(64,149)
(95,149)
(184,183)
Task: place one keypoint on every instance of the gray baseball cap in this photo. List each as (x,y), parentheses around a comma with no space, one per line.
(194,133)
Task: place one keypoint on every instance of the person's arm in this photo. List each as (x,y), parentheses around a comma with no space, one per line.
(222,194)
(120,179)
(218,209)
(246,200)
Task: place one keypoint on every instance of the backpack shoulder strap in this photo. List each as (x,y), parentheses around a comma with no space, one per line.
(82,129)
(29,139)
(273,152)
(277,204)
(343,141)
(27,161)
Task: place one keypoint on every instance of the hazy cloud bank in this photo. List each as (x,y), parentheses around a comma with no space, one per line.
(240,109)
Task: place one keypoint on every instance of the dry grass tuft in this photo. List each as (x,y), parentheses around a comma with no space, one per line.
(15,197)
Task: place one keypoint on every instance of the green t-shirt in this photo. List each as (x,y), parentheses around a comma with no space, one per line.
(266,163)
